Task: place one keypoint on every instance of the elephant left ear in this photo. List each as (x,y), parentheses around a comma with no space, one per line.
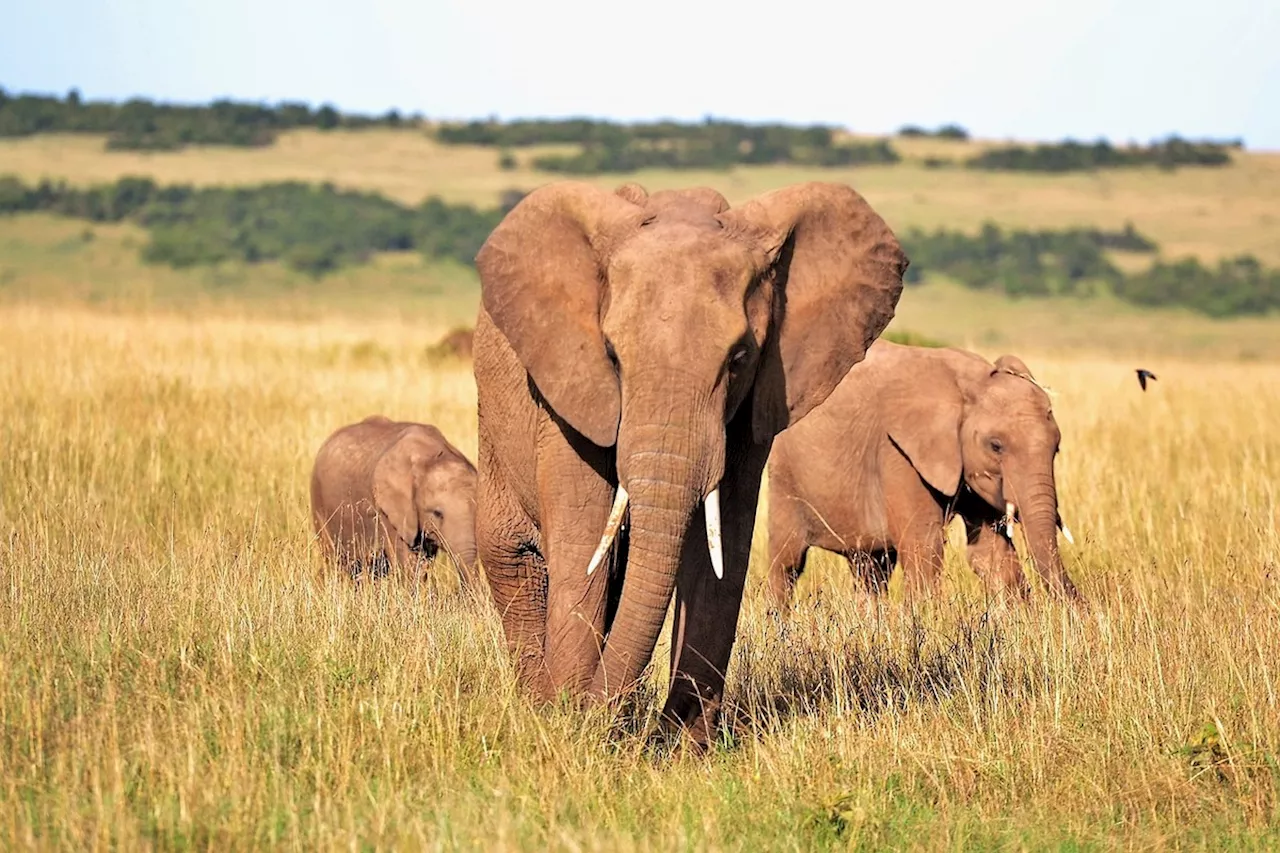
(837,272)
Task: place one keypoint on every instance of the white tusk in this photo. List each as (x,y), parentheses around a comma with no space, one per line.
(1066,532)
(610,528)
(711,508)
(1008,520)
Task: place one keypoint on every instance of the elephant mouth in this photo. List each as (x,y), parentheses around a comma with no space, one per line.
(711,506)
(1011,515)
(425,546)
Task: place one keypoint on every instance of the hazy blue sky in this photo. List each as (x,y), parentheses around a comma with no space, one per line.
(1124,69)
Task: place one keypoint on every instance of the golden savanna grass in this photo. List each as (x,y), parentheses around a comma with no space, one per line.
(1209,213)
(177,671)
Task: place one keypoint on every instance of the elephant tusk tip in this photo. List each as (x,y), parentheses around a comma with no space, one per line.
(1066,534)
(610,529)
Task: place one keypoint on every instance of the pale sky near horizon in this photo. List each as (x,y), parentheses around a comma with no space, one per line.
(1120,69)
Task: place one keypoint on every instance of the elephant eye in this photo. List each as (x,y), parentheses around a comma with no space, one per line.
(996,446)
(438,514)
(737,357)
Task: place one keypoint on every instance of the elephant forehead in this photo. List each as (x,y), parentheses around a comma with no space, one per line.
(1020,394)
(449,477)
(1028,410)
(689,253)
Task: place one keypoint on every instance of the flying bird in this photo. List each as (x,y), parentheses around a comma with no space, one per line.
(1143,376)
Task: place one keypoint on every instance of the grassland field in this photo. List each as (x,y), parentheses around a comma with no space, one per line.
(178,671)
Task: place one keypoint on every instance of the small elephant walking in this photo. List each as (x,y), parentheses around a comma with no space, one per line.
(911,437)
(385,493)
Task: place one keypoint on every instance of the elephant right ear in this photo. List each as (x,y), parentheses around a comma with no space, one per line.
(923,419)
(393,486)
(541,272)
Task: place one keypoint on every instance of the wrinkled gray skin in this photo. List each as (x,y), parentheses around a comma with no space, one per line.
(391,494)
(653,345)
(910,438)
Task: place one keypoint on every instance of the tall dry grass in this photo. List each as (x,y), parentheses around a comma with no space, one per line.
(177,671)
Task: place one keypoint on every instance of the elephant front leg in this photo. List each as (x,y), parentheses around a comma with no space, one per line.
(707,607)
(994,559)
(575,497)
(871,570)
(507,543)
(788,548)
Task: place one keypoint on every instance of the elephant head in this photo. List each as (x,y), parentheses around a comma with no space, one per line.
(989,428)
(647,323)
(425,497)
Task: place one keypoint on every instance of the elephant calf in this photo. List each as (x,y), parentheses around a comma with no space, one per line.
(910,437)
(385,493)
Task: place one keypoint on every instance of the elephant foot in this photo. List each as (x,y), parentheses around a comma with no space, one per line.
(693,714)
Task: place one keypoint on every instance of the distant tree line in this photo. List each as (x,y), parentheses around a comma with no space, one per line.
(611,147)
(143,125)
(946,131)
(1074,262)
(632,156)
(318,228)
(140,124)
(313,229)
(1072,156)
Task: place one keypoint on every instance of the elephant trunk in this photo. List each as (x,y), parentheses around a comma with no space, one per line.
(664,469)
(459,543)
(468,564)
(1038,509)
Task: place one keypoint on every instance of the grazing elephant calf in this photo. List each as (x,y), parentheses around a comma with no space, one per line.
(910,437)
(384,493)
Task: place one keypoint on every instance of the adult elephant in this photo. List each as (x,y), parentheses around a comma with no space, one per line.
(634,355)
(911,437)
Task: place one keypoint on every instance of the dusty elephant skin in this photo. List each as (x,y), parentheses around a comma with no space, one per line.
(385,494)
(911,437)
(635,354)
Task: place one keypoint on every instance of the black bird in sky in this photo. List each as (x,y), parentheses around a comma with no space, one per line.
(1143,376)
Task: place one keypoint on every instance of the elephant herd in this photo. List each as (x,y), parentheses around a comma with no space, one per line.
(640,359)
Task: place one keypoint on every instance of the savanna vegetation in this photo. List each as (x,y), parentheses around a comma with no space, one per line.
(140,124)
(606,147)
(177,670)
(1071,156)
(319,229)
(313,229)
(946,131)
(602,147)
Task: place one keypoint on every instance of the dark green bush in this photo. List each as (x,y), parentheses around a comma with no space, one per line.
(143,125)
(1072,262)
(1072,156)
(947,131)
(314,229)
(611,147)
